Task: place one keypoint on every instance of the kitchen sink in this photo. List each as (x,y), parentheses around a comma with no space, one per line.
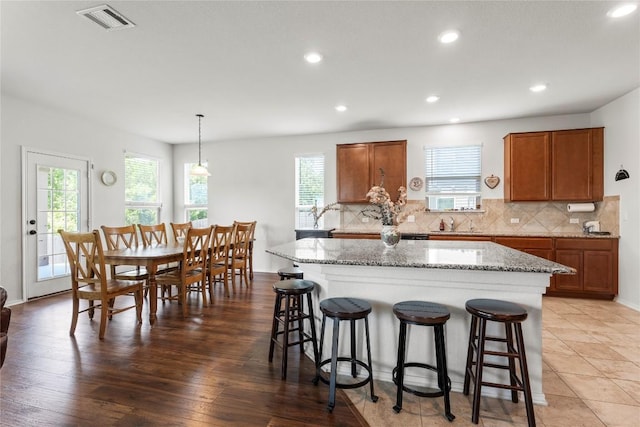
(600,233)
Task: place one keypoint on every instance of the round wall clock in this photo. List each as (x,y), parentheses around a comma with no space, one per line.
(415,184)
(108,178)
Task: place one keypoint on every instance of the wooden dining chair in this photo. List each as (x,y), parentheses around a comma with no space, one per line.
(239,259)
(193,267)
(180,229)
(89,280)
(251,239)
(221,238)
(156,234)
(121,238)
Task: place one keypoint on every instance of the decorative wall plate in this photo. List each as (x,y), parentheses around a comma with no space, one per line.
(416,183)
(492,181)
(108,178)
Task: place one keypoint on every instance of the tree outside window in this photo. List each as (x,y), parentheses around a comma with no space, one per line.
(142,205)
(196,197)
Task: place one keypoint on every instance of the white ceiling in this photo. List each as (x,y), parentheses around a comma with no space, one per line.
(241,63)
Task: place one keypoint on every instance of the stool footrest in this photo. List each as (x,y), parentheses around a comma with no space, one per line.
(344,385)
(435,393)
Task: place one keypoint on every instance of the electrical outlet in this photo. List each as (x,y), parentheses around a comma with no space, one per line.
(411,218)
(515,220)
(365,219)
(574,221)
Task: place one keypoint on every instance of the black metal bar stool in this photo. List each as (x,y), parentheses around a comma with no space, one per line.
(512,315)
(350,309)
(423,313)
(292,291)
(290,273)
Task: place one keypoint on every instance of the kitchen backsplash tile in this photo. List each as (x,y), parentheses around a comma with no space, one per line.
(496,216)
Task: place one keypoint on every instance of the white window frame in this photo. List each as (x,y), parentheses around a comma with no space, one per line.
(141,205)
(303,216)
(461,198)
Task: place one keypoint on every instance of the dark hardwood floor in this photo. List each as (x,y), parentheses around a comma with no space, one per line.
(209,369)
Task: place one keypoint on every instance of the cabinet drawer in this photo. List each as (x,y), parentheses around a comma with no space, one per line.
(525,242)
(586,243)
(459,237)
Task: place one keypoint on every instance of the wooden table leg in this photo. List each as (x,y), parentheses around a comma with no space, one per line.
(153,294)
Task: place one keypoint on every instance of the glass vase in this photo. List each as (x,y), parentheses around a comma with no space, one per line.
(390,235)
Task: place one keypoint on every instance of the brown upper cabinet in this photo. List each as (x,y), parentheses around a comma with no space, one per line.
(358,169)
(562,165)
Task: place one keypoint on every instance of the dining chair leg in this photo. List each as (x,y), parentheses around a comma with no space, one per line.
(139,297)
(74,317)
(104,313)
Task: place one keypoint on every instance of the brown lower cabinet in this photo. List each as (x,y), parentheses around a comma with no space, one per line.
(459,237)
(595,260)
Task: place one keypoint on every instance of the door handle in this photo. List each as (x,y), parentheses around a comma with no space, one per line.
(32,232)
(32,221)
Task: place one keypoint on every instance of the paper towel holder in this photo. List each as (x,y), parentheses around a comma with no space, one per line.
(622,174)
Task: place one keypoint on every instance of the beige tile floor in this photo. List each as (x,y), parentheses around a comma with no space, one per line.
(591,376)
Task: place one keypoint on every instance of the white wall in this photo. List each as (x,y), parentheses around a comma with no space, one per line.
(254,179)
(621,119)
(26,124)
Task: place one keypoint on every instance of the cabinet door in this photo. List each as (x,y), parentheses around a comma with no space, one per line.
(353,173)
(573,165)
(390,157)
(571,258)
(598,275)
(527,170)
(358,169)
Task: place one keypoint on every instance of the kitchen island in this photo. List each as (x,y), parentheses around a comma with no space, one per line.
(446,272)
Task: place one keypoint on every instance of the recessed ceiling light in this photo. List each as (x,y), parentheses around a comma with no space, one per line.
(538,88)
(433,98)
(448,36)
(622,10)
(341,108)
(454,119)
(313,57)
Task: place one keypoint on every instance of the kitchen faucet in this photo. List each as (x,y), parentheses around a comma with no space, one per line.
(451,224)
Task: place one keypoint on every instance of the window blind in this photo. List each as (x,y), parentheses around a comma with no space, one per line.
(140,179)
(309,188)
(310,181)
(453,170)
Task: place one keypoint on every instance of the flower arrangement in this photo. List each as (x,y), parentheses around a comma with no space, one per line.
(317,215)
(385,209)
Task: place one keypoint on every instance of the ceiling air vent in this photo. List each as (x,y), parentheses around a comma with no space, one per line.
(107,17)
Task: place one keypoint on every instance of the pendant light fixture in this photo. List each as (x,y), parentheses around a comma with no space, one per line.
(200,170)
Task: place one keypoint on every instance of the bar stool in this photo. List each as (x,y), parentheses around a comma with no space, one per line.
(350,309)
(423,313)
(292,291)
(290,273)
(512,315)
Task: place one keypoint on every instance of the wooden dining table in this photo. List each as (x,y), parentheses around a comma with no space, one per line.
(149,257)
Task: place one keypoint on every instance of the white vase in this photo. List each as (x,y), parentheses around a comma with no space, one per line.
(390,235)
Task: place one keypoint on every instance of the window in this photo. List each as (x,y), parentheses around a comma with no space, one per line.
(309,188)
(196,198)
(142,205)
(453,177)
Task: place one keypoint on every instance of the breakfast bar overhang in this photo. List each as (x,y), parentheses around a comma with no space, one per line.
(446,272)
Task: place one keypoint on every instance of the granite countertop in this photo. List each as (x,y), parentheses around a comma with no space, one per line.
(443,254)
(492,234)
